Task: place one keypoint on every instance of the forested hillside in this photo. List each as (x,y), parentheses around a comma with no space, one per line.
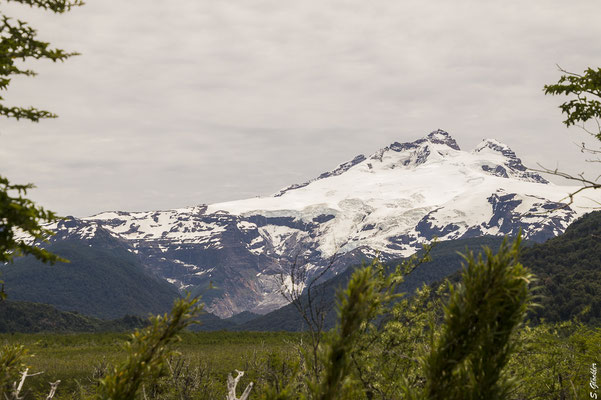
(104,281)
(569,271)
(17,316)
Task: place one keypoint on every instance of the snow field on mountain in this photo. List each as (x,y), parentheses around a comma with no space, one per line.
(388,203)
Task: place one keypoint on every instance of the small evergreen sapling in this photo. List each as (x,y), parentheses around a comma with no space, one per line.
(147,352)
(477,338)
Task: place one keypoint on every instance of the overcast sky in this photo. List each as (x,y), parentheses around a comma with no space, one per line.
(178,103)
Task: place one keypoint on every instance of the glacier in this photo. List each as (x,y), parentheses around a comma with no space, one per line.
(238,253)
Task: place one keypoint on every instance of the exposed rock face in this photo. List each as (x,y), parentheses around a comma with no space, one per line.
(512,162)
(388,203)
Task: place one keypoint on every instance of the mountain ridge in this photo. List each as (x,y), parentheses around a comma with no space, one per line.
(388,203)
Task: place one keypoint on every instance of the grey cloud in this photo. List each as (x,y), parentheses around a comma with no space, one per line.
(208,101)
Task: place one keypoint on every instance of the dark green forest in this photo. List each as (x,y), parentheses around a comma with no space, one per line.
(568,269)
(26,317)
(102,280)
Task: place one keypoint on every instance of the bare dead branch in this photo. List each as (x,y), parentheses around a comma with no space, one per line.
(53,386)
(595,134)
(586,183)
(231,387)
(17,388)
(313,306)
(567,72)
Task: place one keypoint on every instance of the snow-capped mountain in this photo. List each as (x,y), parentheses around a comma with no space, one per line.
(388,203)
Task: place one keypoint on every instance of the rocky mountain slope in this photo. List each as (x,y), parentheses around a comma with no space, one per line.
(446,261)
(390,202)
(567,270)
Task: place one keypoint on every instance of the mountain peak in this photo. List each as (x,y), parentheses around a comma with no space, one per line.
(512,164)
(442,137)
(419,151)
(495,158)
(495,145)
(435,137)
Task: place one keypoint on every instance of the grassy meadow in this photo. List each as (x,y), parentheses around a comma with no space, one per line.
(201,366)
(550,361)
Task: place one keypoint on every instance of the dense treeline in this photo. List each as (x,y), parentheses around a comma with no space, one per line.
(569,271)
(16,316)
(568,274)
(102,279)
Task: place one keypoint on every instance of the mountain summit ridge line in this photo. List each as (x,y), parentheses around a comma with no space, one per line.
(388,203)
